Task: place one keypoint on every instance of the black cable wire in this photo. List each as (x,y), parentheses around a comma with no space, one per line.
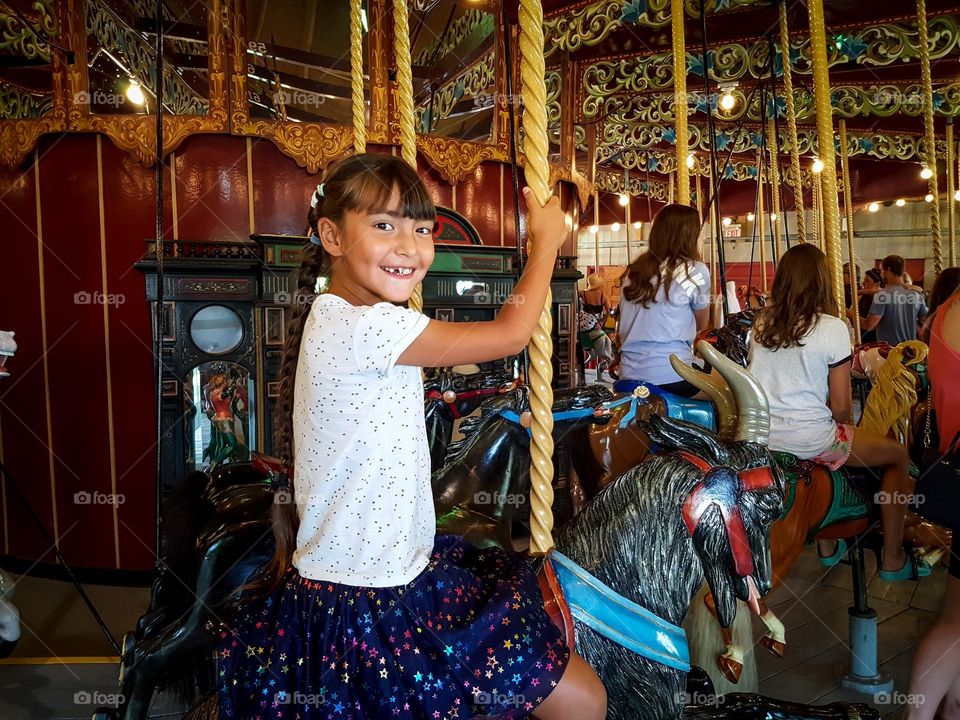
(715,174)
(12,484)
(159,251)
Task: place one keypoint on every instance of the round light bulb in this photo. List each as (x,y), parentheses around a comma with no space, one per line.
(928,198)
(750,217)
(593,229)
(901,202)
(817,165)
(615,227)
(773,217)
(624,200)
(135,93)
(727,221)
(637,225)
(873,207)
(728,101)
(926,173)
(956,196)
(691,159)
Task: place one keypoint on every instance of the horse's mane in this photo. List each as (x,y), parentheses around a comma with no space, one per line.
(489,412)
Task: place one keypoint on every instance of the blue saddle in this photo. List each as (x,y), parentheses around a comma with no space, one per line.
(699,412)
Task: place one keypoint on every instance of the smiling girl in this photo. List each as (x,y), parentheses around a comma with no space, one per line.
(364,613)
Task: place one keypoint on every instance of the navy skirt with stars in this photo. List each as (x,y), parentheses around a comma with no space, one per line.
(467,638)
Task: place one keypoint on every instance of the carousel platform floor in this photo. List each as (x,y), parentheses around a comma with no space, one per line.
(63,661)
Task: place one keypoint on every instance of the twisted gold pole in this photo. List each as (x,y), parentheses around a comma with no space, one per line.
(848,210)
(537,171)
(821,89)
(761,224)
(778,219)
(408,135)
(951,202)
(797,177)
(680,99)
(356,75)
(670,188)
(923,40)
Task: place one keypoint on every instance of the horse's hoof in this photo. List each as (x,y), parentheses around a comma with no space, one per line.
(730,668)
(774,646)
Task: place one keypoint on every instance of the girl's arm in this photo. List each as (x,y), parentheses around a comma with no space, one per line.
(840,400)
(703,319)
(450,343)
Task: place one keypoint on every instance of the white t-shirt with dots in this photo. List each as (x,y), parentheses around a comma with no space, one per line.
(362,463)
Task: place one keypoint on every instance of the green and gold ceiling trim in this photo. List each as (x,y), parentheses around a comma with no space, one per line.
(614,182)
(16,39)
(472,21)
(471,83)
(16,104)
(594,22)
(110,31)
(883,146)
(873,46)
(848,101)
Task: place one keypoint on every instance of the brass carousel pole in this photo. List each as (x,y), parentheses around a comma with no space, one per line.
(848,211)
(534,93)
(680,99)
(821,88)
(796,176)
(670,195)
(408,135)
(626,218)
(356,68)
(596,235)
(923,40)
(951,201)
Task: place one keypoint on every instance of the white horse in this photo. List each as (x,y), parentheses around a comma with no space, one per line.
(8,347)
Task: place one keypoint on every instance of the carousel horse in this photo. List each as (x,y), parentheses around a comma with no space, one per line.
(705,512)
(8,348)
(595,342)
(450,395)
(9,616)
(482,490)
(731,339)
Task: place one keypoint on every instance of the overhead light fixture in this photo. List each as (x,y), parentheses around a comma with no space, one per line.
(691,159)
(928,198)
(593,229)
(727,221)
(637,225)
(615,227)
(624,199)
(750,217)
(926,173)
(135,92)
(773,217)
(727,101)
(817,165)
(873,207)
(901,202)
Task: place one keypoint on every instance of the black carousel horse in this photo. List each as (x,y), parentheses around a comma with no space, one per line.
(449,396)
(731,339)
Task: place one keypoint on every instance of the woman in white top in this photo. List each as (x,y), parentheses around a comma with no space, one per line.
(664,302)
(800,352)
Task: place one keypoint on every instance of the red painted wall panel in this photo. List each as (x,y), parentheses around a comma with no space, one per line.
(23,416)
(212,188)
(129,212)
(281,191)
(478,199)
(75,344)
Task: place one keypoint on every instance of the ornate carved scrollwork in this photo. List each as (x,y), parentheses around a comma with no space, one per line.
(455,159)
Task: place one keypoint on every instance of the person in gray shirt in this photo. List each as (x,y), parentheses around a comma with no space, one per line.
(896,309)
